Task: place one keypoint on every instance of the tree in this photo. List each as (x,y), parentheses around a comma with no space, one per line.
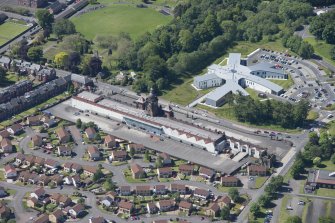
(132,152)
(225,213)
(147,156)
(328,33)
(45,19)
(63,27)
(3,18)
(91,66)
(306,50)
(159,162)
(317,161)
(108,185)
(234,194)
(2,73)
(333,158)
(98,175)
(62,59)
(79,123)
(35,53)
(332,52)
(74,61)
(293,219)
(264,200)
(97,137)
(81,201)
(255,209)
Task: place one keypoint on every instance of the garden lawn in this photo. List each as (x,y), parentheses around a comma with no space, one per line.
(9,30)
(115,19)
(325,192)
(260,181)
(286,84)
(321,48)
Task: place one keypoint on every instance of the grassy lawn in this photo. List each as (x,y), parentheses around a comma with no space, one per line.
(284,214)
(115,19)
(11,192)
(286,84)
(184,93)
(325,192)
(260,181)
(8,30)
(321,48)
(326,165)
(225,189)
(253,94)
(312,115)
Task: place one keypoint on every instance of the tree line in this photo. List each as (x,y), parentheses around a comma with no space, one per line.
(253,111)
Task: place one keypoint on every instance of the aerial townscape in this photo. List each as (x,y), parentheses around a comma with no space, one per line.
(167,111)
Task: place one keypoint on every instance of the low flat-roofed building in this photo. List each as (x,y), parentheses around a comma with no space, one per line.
(321,178)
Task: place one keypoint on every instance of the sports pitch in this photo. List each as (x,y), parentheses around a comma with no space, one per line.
(9,30)
(115,19)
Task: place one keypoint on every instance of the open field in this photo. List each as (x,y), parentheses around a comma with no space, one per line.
(321,48)
(115,19)
(9,30)
(325,192)
(156,3)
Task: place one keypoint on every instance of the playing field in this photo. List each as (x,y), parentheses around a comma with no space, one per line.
(8,30)
(119,18)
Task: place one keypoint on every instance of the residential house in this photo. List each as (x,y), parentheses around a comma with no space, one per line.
(186,169)
(185,207)
(10,171)
(90,170)
(56,216)
(166,158)
(152,208)
(126,207)
(31,3)
(159,189)
(56,7)
(37,140)
(39,161)
(77,210)
(166,205)
(107,201)
(67,167)
(15,129)
(51,164)
(164,172)
(212,210)
(38,193)
(206,173)
(119,155)
(93,152)
(223,201)
(257,170)
(5,212)
(76,181)
(138,148)
(44,218)
(43,180)
(33,120)
(63,135)
(161,221)
(76,168)
(20,158)
(29,160)
(97,220)
(110,141)
(90,133)
(125,191)
(64,151)
(177,188)
(201,193)
(32,202)
(137,171)
(143,190)
(57,180)
(4,134)
(6,146)
(33,178)
(230,181)
(24,176)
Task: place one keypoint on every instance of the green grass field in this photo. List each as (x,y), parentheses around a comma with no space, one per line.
(325,192)
(115,19)
(286,84)
(321,48)
(8,30)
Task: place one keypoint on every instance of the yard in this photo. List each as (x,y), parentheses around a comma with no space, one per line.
(117,18)
(9,30)
(260,181)
(286,84)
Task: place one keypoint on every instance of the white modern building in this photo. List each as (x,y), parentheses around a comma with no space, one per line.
(234,78)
